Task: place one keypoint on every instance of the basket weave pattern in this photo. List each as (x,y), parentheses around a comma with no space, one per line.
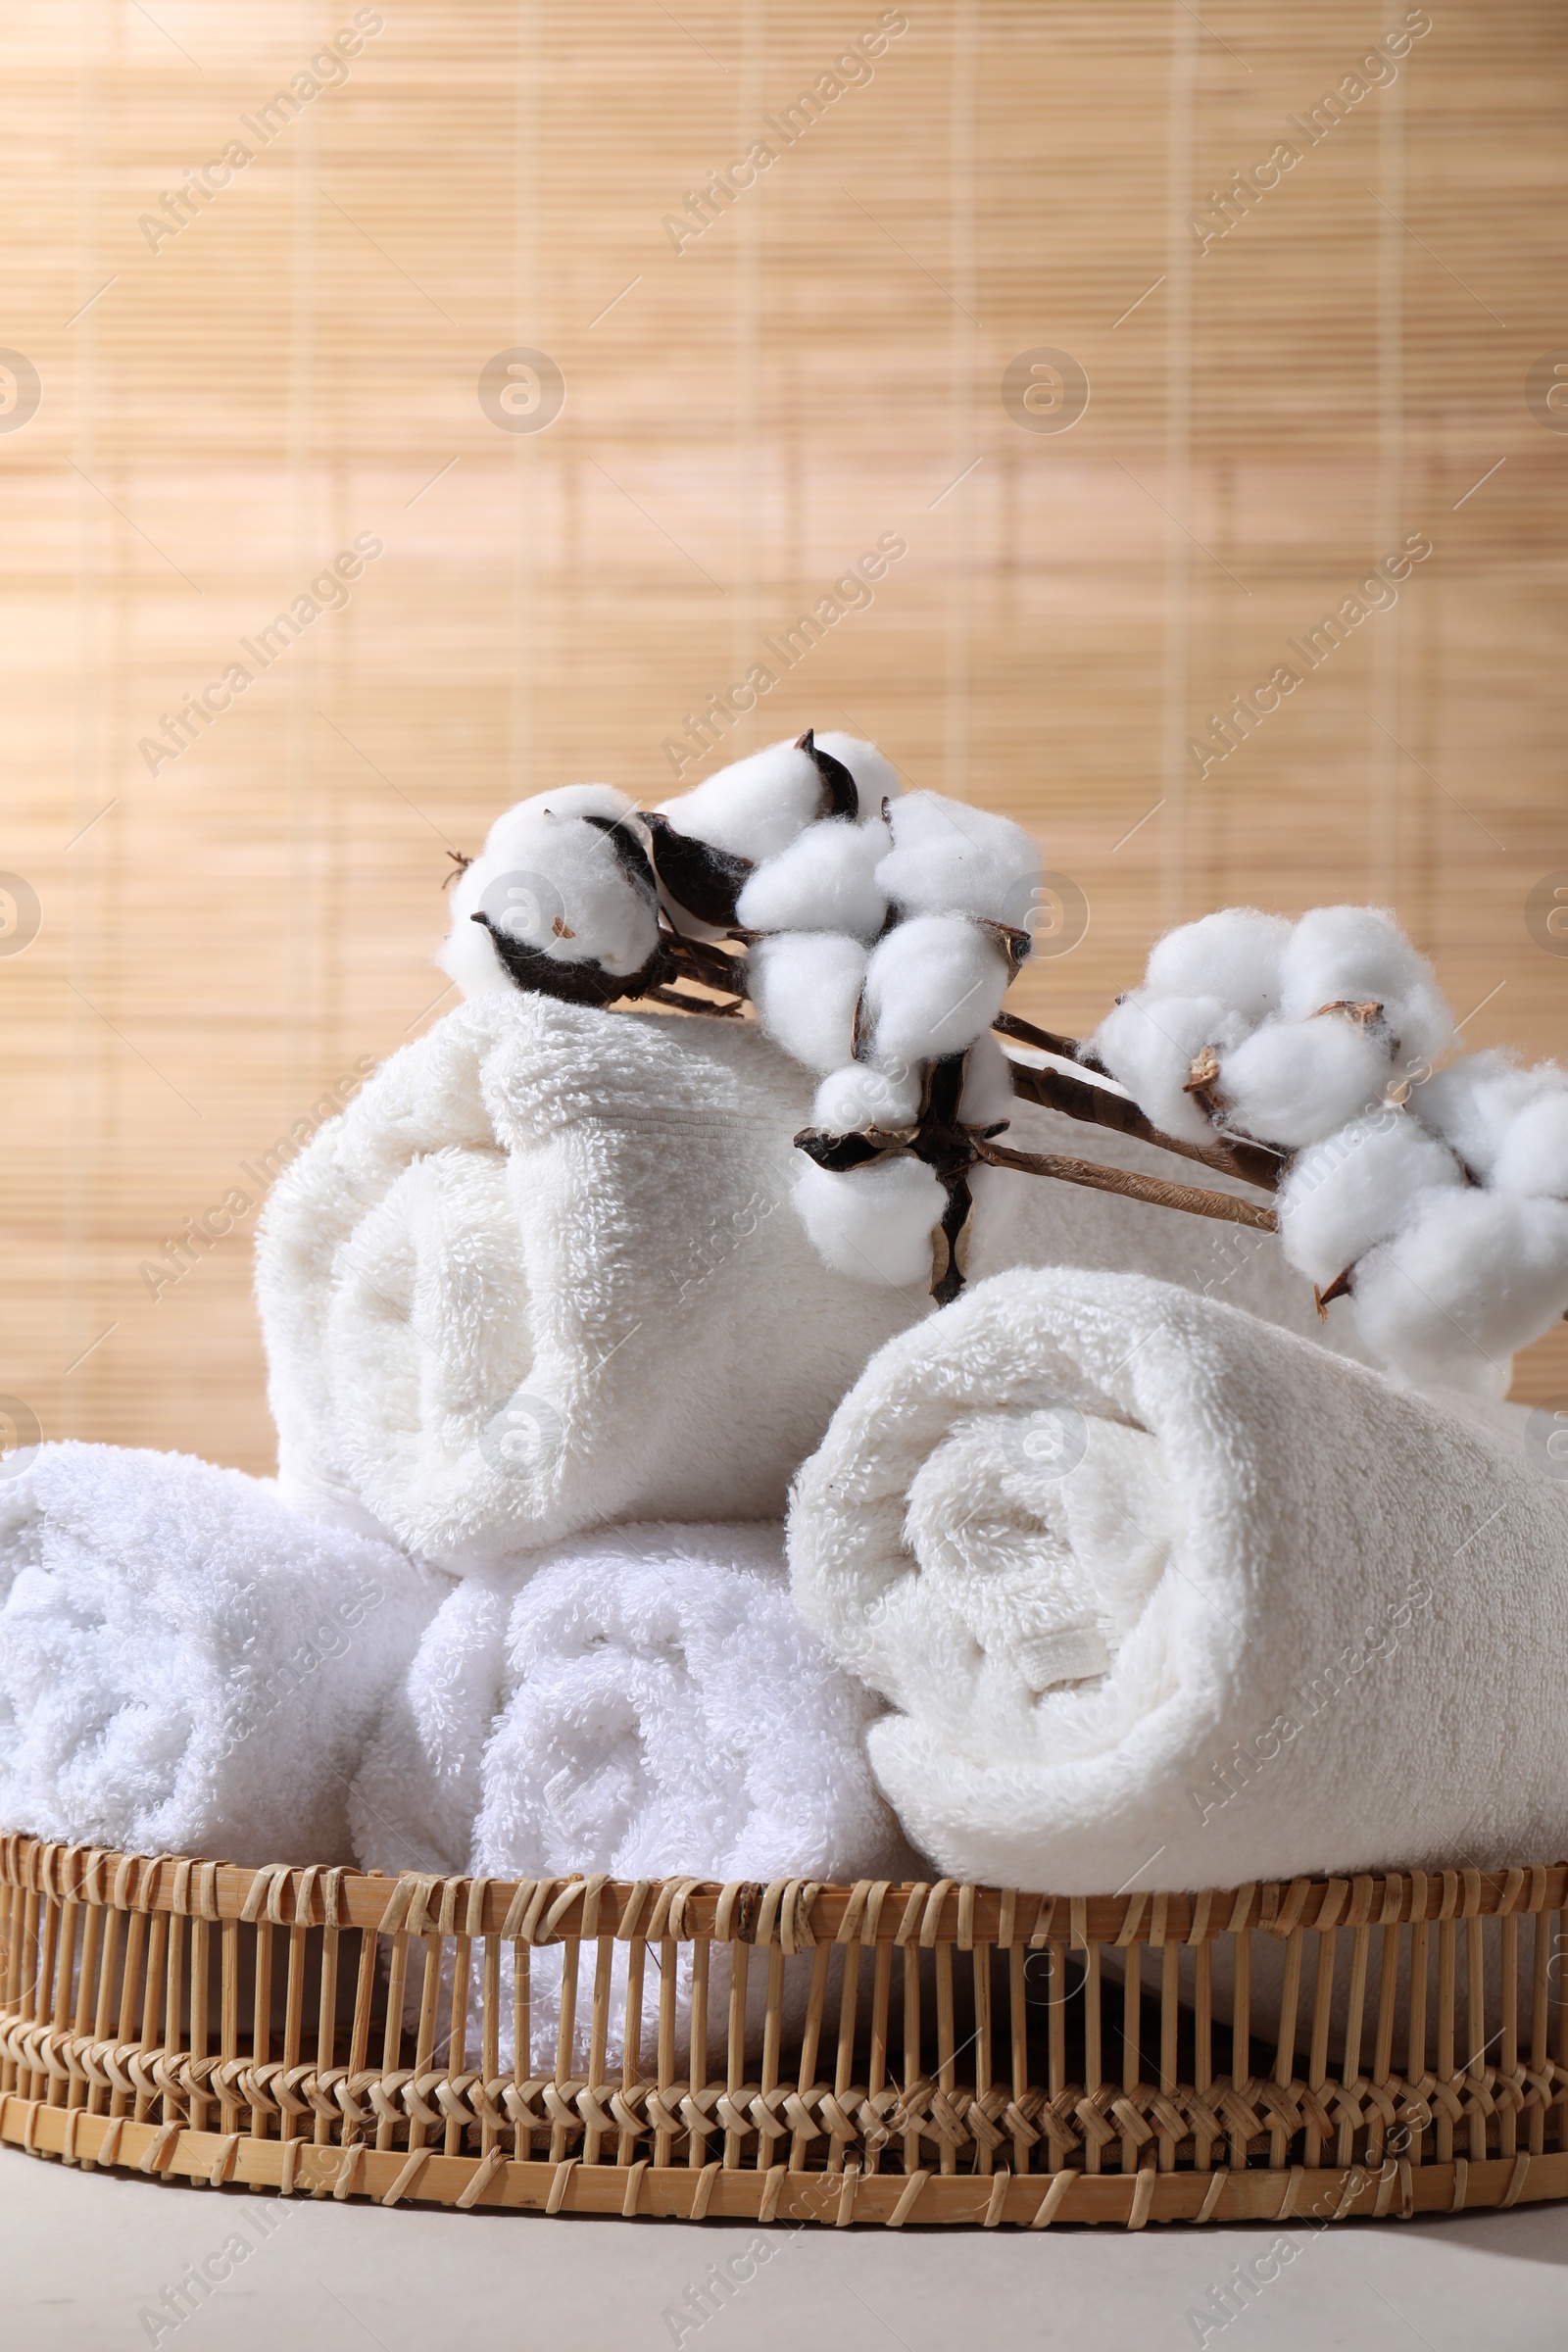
(979,2056)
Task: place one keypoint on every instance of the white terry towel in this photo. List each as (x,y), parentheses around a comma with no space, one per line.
(186,1665)
(1163,1598)
(645,1702)
(544,1273)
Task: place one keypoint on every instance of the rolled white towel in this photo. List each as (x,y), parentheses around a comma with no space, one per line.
(645,1702)
(1164,1598)
(186,1665)
(415,1797)
(543,1274)
(666,1712)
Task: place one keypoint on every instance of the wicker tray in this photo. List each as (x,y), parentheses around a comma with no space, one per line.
(968,2055)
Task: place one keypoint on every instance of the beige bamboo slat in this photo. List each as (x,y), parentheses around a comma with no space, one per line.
(224,940)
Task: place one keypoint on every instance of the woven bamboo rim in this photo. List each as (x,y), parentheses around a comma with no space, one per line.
(1020,2120)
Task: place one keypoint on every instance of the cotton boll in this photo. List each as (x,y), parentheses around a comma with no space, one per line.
(806,985)
(1474,1276)
(554,882)
(468,953)
(933,986)
(987,1096)
(876,779)
(1358,1187)
(949,858)
(521,823)
(754,807)
(824,881)
(874,1223)
(1149,1044)
(1532,1157)
(1473,1104)
(861,1096)
(1353,953)
(1294,1082)
(604,915)
(1234,954)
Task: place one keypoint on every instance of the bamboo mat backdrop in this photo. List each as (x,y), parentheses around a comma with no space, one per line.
(227,399)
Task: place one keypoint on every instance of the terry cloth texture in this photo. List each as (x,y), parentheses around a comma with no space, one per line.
(1163,1598)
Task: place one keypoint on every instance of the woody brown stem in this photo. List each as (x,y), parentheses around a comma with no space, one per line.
(700,961)
(1047,1041)
(1154,1189)
(678,1004)
(707,966)
(1099,1106)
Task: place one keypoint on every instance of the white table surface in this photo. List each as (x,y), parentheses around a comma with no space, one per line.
(84,2256)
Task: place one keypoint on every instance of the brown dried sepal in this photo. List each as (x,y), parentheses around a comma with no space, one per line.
(585,983)
(1202,1081)
(702,881)
(1015,943)
(949,1245)
(1339,1288)
(1364,1011)
(840,795)
(856,1148)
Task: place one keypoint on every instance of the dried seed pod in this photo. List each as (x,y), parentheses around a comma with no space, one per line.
(840,796)
(837,1153)
(619,834)
(705,882)
(754,807)
(1363,1010)
(564,875)
(1015,943)
(584,983)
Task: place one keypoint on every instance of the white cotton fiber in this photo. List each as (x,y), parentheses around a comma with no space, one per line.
(1294,1082)
(1353,953)
(466,955)
(987,1096)
(1474,1276)
(824,881)
(861,1096)
(873,1223)
(1358,1187)
(1532,1157)
(1233,954)
(806,985)
(876,779)
(949,858)
(933,986)
(555,883)
(754,807)
(1149,1045)
(1473,1104)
